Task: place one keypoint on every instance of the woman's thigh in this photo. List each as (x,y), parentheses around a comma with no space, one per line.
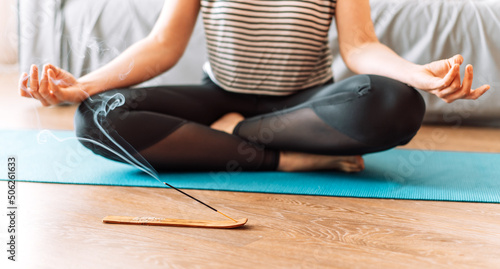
(362,114)
(197,103)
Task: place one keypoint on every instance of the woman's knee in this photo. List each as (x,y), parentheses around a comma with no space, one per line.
(399,107)
(92,123)
(373,110)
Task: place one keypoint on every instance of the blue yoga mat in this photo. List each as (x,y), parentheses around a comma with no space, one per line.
(55,157)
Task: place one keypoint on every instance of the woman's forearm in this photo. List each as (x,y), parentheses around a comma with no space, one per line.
(376,58)
(140,62)
(151,56)
(441,78)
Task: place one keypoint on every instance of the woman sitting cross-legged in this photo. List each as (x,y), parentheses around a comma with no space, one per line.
(268,100)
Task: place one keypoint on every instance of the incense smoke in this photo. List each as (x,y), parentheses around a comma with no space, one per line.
(108,104)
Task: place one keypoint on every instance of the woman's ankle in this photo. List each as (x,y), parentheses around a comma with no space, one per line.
(228,122)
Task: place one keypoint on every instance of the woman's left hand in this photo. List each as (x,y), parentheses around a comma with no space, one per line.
(442,78)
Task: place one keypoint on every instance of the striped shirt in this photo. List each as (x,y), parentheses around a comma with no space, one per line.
(273,47)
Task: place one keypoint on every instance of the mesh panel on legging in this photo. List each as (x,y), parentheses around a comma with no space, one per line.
(143,125)
(197,147)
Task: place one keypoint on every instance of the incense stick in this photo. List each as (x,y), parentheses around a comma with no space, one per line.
(199,201)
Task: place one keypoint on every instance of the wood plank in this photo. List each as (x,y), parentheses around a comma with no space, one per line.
(456,138)
(283,230)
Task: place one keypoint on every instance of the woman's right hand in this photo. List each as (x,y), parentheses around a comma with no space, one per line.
(56,86)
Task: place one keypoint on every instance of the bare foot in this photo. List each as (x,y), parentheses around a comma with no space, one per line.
(296,161)
(228,122)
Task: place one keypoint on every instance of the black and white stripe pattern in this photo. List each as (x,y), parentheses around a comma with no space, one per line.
(274,47)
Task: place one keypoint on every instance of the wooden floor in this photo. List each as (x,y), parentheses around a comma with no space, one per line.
(60,225)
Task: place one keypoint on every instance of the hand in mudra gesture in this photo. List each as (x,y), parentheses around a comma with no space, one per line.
(442,78)
(56,86)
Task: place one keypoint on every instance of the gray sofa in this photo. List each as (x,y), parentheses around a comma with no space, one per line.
(81,35)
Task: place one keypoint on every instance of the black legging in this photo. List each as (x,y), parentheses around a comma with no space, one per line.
(169,125)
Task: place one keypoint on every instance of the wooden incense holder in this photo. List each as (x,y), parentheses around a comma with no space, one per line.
(174,222)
